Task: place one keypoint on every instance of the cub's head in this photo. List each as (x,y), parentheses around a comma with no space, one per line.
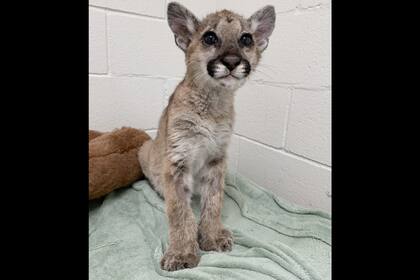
(223,48)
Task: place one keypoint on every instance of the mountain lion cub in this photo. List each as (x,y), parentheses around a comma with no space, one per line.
(189,153)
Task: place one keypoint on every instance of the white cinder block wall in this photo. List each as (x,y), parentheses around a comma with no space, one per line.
(282,137)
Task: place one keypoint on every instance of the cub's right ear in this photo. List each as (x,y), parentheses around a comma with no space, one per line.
(183,24)
(262,25)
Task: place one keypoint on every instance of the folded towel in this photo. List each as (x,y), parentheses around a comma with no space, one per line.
(273,239)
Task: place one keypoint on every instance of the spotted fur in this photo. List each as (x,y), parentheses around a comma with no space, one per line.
(188,154)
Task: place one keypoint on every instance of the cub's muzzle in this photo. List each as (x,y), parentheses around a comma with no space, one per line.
(228,65)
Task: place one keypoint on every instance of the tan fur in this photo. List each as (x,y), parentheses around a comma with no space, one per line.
(189,153)
(113,159)
(93,134)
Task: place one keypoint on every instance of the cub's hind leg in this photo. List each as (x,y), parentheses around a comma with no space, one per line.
(151,166)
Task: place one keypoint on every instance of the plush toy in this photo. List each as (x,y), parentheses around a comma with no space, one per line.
(113,159)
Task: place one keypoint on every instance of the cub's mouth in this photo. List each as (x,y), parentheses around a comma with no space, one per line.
(228,67)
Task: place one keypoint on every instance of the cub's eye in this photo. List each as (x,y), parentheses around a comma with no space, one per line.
(210,38)
(246,40)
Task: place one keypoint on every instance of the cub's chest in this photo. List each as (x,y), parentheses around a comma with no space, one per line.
(209,144)
(213,136)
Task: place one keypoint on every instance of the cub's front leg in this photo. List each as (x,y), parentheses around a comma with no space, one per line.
(212,236)
(183,247)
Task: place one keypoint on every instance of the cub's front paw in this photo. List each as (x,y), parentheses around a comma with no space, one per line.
(221,241)
(175,260)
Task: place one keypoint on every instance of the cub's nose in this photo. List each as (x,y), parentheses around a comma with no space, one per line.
(231,61)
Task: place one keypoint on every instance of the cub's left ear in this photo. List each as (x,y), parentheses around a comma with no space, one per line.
(183,24)
(262,25)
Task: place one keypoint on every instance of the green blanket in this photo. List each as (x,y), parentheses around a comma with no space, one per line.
(273,239)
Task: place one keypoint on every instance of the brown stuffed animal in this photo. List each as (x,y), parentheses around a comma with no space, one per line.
(113,159)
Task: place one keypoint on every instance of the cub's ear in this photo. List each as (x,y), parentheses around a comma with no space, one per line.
(262,25)
(182,23)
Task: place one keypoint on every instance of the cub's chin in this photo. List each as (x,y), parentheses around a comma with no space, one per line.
(230,82)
